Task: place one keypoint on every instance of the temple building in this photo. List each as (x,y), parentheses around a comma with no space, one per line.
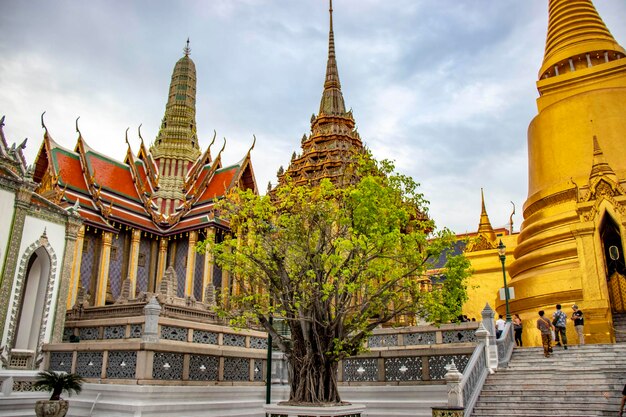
(37,240)
(145,214)
(333,140)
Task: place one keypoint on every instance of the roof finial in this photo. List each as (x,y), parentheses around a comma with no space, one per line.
(139,131)
(127,142)
(187,49)
(43,124)
(332,99)
(77,129)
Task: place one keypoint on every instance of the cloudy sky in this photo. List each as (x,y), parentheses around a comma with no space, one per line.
(446,88)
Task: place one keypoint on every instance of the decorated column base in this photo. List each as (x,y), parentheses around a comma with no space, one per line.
(448,411)
(277,410)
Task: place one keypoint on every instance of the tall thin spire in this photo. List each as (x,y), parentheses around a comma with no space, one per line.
(484,228)
(332,100)
(187,49)
(576,34)
(600,166)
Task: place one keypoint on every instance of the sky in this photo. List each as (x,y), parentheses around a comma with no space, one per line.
(445,88)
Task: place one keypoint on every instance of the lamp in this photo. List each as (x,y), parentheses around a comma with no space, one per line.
(502,255)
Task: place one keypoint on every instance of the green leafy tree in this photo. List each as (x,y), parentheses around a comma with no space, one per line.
(334,263)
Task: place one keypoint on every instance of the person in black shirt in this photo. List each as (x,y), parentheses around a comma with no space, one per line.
(579,322)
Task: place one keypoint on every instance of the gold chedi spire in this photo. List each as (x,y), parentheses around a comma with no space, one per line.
(333,141)
(484,228)
(577,38)
(175,148)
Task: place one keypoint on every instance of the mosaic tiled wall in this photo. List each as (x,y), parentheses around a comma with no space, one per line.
(116,264)
(61,361)
(88,261)
(168,366)
(143,265)
(180,264)
(198,276)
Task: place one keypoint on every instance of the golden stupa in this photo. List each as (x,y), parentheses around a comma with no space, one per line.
(571,245)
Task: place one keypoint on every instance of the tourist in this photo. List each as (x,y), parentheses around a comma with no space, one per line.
(579,322)
(517,327)
(558,320)
(621,407)
(545,327)
(500,323)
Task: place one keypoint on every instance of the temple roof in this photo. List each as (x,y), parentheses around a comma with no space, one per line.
(574,29)
(112,193)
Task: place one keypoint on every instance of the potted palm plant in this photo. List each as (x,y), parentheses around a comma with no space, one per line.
(56,383)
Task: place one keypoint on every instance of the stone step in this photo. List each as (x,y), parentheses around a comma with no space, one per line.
(507,410)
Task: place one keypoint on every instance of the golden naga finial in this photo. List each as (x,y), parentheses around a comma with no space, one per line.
(77,129)
(223,147)
(139,131)
(511,219)
(127,142)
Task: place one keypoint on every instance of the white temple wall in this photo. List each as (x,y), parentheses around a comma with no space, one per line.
(7,207)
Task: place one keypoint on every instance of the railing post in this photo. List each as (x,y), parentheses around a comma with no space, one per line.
(151,311)
(489,325)
(455,395)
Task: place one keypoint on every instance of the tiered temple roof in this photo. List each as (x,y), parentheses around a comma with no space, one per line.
(333,140)
(168,189)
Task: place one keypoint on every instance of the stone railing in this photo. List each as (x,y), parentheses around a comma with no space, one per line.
(465,384)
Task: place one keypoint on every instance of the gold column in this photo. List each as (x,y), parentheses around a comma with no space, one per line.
(191,262)
(103,270)
(76,262)
(161,262)
(133,260)
(207,276)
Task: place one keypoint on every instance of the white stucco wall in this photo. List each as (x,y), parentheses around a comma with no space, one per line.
(7,202)
(33,229)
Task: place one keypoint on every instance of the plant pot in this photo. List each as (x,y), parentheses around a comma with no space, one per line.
(47,408)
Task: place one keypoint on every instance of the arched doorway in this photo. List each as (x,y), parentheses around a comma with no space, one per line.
(32,301)
(615,265)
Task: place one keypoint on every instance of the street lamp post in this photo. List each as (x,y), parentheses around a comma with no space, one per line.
(268,380)
(502,255)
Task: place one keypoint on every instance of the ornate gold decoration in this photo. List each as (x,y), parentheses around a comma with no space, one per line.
(617,292)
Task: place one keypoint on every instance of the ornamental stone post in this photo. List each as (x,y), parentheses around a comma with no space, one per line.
(489,325)
(151,311)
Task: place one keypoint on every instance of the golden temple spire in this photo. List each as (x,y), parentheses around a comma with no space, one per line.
(600,167)
(187,49)
(332,100)
(577,38)
(484,228)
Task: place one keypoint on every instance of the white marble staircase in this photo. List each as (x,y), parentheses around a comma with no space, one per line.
(581,381)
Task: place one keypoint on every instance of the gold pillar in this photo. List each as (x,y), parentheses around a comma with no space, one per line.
(103,270)
(133,261)
(191,262)
(75,274)
(207,276)
(161,262)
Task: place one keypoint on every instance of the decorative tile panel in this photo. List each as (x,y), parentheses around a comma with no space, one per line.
(143,266)
(167,366)
(198,276)
(203,367)
(26,386)
(403,369)
(114,332)
(217,277)
(421,338)
(174,333)
(202,336)
(121,364)
(382,340)
(89,333)
(88,260)
(116,263)
(258,369)
(258,343)
(437,364)
(180,265)
(89,364)
(61,361)
(135,331)
(234,340)
(459,336)
(236,369)
(360,370)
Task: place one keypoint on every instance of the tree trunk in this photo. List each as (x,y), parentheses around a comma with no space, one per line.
(313,379)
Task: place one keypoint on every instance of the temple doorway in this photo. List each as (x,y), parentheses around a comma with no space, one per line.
(614,263)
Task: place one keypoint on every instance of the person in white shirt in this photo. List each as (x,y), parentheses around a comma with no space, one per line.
(500,323)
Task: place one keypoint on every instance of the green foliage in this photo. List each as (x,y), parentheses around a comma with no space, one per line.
(336,262)
(57,382)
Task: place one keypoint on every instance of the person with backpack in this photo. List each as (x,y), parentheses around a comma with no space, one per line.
(559,319)
(545,327)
